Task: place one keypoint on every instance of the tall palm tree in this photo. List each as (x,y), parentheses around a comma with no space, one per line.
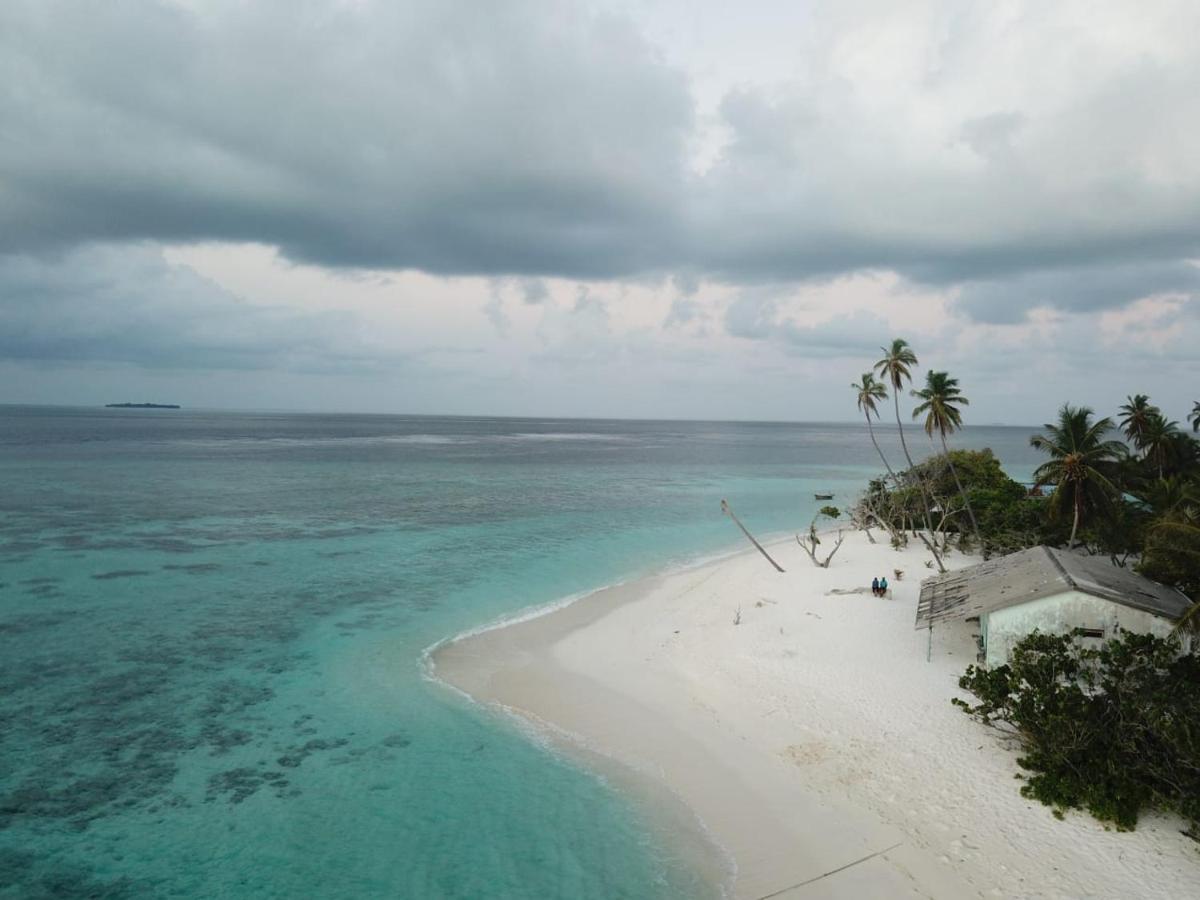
(1080,460)
(870,392)
(1184,454)
(940,402)
(1194,415)
(896,367)
(1173,541)
(1135,418)
(1158,440)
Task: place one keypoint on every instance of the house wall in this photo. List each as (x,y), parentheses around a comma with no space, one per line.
(1060,614)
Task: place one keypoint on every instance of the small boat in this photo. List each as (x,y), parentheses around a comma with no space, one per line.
(822,496)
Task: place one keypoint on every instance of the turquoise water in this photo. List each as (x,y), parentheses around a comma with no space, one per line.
(212,627)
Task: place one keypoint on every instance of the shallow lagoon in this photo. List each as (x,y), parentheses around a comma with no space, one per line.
(212,628)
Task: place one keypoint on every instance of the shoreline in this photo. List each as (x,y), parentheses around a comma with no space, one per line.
(426,661)
(448,663)
(796,740)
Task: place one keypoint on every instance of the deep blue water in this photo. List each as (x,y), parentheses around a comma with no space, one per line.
(212,626)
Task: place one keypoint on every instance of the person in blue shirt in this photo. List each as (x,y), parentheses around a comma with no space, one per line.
(883,586)
(875,586)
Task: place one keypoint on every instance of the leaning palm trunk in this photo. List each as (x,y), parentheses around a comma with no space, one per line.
(886,465)
(961,492)
(725,508)
(920,482)
(900,425)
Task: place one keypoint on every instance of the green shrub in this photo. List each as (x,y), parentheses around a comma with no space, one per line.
(1113,730)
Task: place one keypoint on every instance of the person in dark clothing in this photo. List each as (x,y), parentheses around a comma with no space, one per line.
(875,586)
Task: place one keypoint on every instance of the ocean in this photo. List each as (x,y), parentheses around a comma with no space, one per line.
(213,629)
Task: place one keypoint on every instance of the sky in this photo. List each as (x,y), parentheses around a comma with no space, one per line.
(635,208)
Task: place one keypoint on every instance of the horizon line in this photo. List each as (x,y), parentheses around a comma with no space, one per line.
(511,416)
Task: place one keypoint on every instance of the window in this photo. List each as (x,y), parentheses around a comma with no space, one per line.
(1090,632)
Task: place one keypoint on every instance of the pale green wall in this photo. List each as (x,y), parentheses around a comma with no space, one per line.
(1060,614)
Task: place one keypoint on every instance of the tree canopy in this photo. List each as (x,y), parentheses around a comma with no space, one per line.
(1136,500)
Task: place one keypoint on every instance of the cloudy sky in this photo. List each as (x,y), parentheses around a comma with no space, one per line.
(627,208)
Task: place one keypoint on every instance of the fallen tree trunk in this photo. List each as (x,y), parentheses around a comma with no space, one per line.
(729,512)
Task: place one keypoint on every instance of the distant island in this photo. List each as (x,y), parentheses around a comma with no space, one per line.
(141,406)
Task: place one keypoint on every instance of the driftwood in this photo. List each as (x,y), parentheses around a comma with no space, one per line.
(725,508)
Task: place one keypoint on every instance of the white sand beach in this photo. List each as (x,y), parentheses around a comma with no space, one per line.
(813,740)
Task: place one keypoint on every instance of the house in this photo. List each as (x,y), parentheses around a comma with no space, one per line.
(1049,590)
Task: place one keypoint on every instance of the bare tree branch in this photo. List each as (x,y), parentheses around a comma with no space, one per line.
(811,543)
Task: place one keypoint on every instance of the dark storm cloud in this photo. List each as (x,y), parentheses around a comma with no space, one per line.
(535,138)
(129,305)
(520,137)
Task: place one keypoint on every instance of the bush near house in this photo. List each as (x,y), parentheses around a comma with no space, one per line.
(1113,730)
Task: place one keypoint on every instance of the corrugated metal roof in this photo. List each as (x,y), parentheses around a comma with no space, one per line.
(1036,573)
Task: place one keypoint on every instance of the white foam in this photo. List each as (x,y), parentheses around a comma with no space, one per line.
(422,439)
(525,614)
(565,436)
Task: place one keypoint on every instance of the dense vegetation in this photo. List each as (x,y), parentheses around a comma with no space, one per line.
(1127,488)
(1114,730)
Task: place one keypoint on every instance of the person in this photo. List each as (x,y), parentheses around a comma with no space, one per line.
(883,586)
(875,586)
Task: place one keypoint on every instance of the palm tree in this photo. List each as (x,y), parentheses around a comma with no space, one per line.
(1158,440)
(870,392)
(1135,418)
(1194,415)
(940,399)
(1172,497)
(1080,460)
(1184,454)
(896,368)
(1172,551)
